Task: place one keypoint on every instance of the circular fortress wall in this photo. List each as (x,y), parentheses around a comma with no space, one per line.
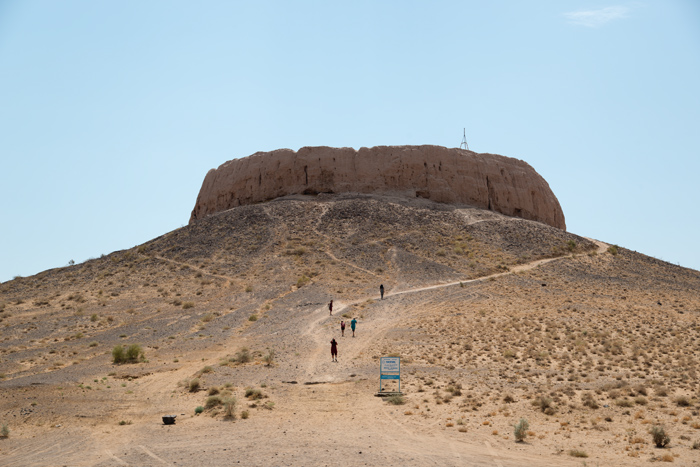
(503,184)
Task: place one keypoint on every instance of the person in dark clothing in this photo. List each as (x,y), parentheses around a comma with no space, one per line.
(334,350)
(342,328)
(381,291)
(330,307)
(353,323)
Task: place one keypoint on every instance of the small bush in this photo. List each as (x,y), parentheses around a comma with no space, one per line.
(133,353)
(212,401)
(125,422)
(4,431)
(245,414)
(253,394)
(118,354)
(269,405)
(521,430)
(396,399)
(682,401)
(242,356)
(624,403)
(253,317)
(589,401)
(269,358)
(194,385)
(696,445)
(199,409)
(213,391)
(577,453)
(659,436)
(187,305)
(229,407)
(613,249)
(302,281)
(543,402)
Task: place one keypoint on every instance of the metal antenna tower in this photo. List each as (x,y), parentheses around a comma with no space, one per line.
(463,144)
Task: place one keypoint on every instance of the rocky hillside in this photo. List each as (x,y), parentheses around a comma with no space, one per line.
(496,318)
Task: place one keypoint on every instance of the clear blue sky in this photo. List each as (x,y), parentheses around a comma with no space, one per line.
(112,112)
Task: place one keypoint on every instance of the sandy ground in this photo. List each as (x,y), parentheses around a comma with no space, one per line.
(476,353)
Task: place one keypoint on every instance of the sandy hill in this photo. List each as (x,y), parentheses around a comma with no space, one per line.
(496,319)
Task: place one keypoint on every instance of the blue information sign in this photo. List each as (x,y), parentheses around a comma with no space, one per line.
(389,368)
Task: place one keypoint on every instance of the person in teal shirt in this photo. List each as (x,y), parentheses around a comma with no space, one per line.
(353,323)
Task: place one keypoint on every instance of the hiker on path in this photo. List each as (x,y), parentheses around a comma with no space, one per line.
(330,307)
(381,291)
(342,329)
(353,323)
(334,350)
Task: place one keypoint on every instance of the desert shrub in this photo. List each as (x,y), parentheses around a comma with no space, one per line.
(641,400)
(94,317)
(187,305)
(4,431)
(269,405)
(571,245)
(589,401)
(212,401)
(577,453)
(93,344)
(206,369)
(199,409)
(269,358)
(396,399)
(508,399)
(613,249)
(208,317)
(253,317)
(133,353)
(229,407)
(543,402)
(520,431)
(245,414)
(249,288)
(696,445)
(213,391)
(624,403)
(125,422)
(242,356)
(194,385)
(682,401)
(659,436)
(253,394)
(302,281)
(118,354)
(661,391)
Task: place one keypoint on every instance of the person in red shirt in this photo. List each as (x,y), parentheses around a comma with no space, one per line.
(334,350)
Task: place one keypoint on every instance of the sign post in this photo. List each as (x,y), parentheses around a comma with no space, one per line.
(389,368)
